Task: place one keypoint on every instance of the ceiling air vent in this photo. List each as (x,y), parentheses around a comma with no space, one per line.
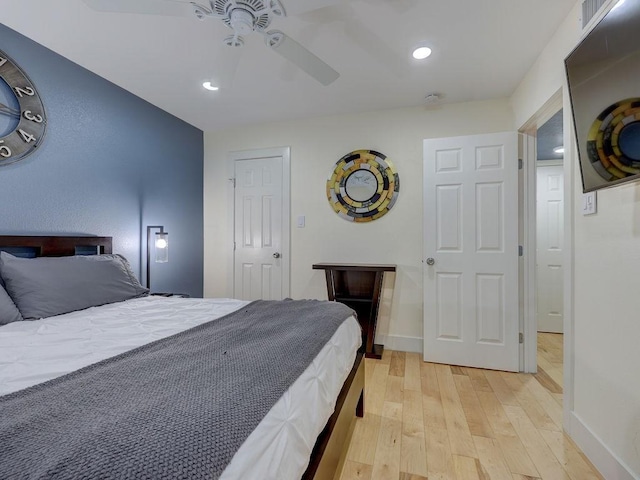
(589,9)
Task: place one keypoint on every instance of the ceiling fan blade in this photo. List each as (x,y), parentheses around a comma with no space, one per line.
(301,57)
(225,66)
(400,6)
(298,7)
(369,41)
(173,8)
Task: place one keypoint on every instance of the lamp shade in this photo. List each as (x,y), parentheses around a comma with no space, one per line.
(162,247)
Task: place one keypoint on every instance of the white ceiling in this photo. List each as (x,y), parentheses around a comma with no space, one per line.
(482,49)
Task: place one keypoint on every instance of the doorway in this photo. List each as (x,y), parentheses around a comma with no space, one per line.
(532,132)
(549,226)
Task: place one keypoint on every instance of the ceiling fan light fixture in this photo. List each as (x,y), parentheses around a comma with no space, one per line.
(421,52)
(210,86)
(242,21)
(432,98)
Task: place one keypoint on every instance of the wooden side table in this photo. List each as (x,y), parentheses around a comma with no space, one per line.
(360,287)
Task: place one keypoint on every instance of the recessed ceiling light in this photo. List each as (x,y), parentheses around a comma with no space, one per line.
(210,86)
(559,149)
(422,52)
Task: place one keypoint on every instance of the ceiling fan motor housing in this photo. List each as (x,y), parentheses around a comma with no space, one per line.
(246,16)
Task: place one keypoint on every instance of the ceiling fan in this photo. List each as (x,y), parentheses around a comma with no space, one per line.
(244,17)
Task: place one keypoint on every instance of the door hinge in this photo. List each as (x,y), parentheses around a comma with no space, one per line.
(234,246)
(521,337)
(233,180)
(520,164)
(520,251)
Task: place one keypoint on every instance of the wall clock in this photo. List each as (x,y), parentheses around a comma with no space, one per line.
(22,116)
(363,186)
(613,143)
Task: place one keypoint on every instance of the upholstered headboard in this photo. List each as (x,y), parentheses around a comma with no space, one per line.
(54,246)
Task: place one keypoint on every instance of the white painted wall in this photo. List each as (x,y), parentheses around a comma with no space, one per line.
(603,319)
(316,144)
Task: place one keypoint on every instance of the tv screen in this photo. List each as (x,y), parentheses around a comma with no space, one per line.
(603,72)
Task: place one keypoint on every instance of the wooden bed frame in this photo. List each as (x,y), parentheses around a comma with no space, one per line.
(329,452)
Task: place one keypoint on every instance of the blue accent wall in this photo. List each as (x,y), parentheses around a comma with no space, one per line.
(110,164)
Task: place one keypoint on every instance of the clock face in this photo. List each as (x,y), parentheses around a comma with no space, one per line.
(363,186)
(22,116)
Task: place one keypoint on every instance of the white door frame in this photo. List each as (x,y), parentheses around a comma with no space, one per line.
(232,157)
(559,100)
(530,320)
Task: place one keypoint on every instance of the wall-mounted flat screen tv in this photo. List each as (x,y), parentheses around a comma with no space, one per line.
(603,72)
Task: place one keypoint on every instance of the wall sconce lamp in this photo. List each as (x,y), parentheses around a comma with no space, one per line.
(161,247)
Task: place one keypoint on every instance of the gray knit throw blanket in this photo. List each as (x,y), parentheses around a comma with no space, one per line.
(177,408)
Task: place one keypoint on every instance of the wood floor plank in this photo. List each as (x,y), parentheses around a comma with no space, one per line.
(517,476)
(386,465)
(547,382)
(538,450)
(395,389)
(536,413)
(411,476)
(413,456)
(396,367)
(491,458)
(550,346)
(386,357)
(478,380)
(439,458)
(362,448)
(544,398)
(467,468)
(459,434)
(412,372)
(500,388)
(514,452)
(431,400)
(569,457)
(356,471)
(375,396)
(550,355)
(476,418)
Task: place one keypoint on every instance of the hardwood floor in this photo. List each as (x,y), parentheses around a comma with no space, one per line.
(436,422)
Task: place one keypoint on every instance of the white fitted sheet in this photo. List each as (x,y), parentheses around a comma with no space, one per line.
(32,352)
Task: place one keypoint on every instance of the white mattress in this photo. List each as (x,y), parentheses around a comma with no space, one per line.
(279,448)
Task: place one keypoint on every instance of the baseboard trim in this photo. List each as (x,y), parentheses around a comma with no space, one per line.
(400,343)
(607,462)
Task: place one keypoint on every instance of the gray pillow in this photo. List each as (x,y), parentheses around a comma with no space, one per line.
(45,286)
(8,310)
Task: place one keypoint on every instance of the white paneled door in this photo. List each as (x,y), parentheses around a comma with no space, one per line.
(471,251)
(550,240)
(260,229)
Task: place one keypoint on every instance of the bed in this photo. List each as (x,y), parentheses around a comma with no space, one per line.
(64,358)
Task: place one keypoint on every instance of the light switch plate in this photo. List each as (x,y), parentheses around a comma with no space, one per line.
(301,221)
(589,203)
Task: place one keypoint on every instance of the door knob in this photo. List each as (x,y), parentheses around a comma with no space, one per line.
(430,261)
(276,255)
